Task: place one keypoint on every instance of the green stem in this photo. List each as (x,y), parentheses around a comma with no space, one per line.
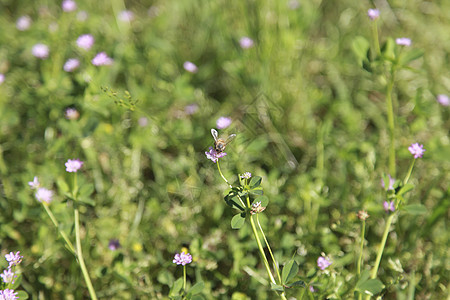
(184,278)
(263,255)
(374,272)
(63,234)
(391,124)
(229,185)
(411,166)
(80,255)
(261,250)
(223,177)
(268,247)
(375,38)
(358,268)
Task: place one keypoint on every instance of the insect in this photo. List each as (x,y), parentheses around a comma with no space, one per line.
(220,144)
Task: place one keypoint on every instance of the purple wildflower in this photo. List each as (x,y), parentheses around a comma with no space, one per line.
(23,23)
(71,64)
(311,289)
(69,5)
(246,42)
(416,150)
(362,215)
(13,258)
(223,122)
(403,41)
(190,67)
(191,109)
(85,41)
(391,183)
(293,4)
(8,276)
(2,78)
(8,294)
(102,59)
(71,114)
(257,208)
(143,121)
(182,258)
(40,51)
(246,175)
(126,16)
(323,262)
(389,206)
(44,195)
(213,155)
(35,183)
(114,244)
(373,14)
(73,165)
(443,99)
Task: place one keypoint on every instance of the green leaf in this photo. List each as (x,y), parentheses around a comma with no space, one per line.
(388,49)
(255,182)
(364,276)
(406,188)
(237,221)
(276,287)
(298,283)
(264,200)
(311,272)
(176,287)
(86,190)
(257,191)
(360,46)
(62,185)
(369,286)
(17,282)
(367,66)
(87,201)
(232,200)
(411,55)
(22,295)
(239,296)
(197,288)
(289,271)
(415,209)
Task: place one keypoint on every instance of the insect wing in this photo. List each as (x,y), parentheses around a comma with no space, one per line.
(230,138)
(214,134)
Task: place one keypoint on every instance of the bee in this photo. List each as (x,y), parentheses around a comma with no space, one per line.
(219,143)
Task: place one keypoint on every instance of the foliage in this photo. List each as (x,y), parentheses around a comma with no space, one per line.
(308,107)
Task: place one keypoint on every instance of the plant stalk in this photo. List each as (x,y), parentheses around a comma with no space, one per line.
(80,255)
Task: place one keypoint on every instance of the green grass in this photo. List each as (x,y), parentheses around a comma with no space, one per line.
(309,120)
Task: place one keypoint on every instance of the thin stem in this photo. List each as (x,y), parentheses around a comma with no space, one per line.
(382,245)
(263,255)
(363,229)
(63,234)
(411,166)
(358,268)
(184,278)
(375,38)
(391,124)
(261,250)
(229,185)
(268,247)
(223,177)
(80,255)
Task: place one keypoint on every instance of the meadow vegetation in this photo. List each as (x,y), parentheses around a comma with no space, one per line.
(110,105)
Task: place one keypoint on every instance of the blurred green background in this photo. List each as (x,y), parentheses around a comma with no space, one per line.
(308,118)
